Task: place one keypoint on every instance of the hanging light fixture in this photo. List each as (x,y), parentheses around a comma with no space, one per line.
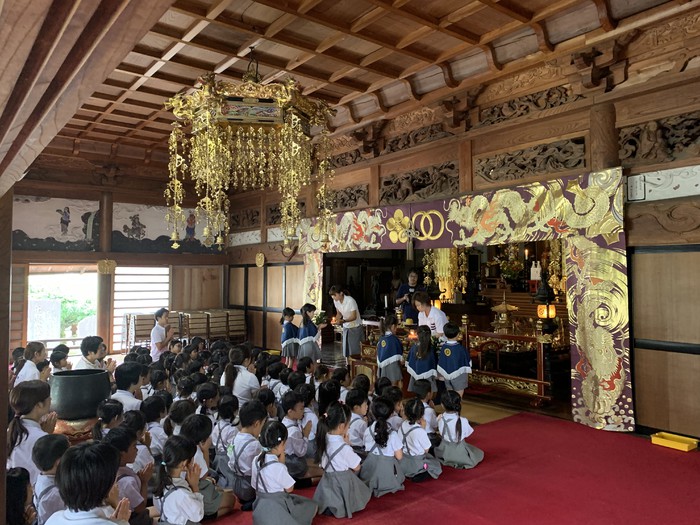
(245,136)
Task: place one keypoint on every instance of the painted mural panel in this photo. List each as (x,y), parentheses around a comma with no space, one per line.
(43,223)
(141,228)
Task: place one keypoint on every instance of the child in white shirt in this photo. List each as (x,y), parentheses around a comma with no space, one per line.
(46,455)
(154,410)
(417,463)
(30,402)
(178,498)
(222,437)
(298,438)
(454,451)
(380,469)
(357,401)
(340,492)
(273,484)
(245,449)
(132,485)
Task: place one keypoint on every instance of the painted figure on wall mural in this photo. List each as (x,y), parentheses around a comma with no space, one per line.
(65,219)
(137,230)
(189,228)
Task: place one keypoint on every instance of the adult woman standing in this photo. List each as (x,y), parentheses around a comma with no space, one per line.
(348,315)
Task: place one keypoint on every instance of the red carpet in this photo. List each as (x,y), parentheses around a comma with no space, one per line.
(541,470)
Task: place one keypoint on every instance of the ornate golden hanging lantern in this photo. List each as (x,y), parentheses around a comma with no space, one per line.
(245,136)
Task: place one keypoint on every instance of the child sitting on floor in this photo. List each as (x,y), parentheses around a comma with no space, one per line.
(357,401)
(198,428)
(222,436)
(245,448)
(179,500)
(110,414)
(154,410)
(340,492)
(30,402)
(380,469)
(275,504)
(454,451)
(298,438)
(85,479)
(132,485)
(46,455)
(423,392)
(417,463)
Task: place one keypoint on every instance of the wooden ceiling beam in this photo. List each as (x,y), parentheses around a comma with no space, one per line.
(210,44)
(510,9)
(461,13)
(298,44)
(427,21)
(368,18)
(344,28)
(191,32)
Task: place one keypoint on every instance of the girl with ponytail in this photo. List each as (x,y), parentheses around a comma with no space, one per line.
(110,414)
(30,401)
(208,399)
(273,484)
(421,360)
(340,492)
(177,497)
(417,463)
(454,451)
(381,470)
(236,375)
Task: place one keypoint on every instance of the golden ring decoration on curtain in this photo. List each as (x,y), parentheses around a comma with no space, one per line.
(428,230)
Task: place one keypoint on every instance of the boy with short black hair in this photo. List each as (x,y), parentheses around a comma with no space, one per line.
(246,448)
(128,379)
(454,363)
(298,439)
(46,455)
(423,390)
(132,485)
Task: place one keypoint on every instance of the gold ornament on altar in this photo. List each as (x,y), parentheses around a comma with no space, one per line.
(246,136)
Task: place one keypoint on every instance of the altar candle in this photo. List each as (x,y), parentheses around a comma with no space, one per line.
(526,254)
(386,303)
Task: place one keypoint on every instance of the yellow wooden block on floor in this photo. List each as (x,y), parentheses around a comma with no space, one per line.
(666,439)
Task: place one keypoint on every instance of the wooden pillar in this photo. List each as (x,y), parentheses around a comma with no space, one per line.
(604,143)
(5,280)
(104,280)
(466,173)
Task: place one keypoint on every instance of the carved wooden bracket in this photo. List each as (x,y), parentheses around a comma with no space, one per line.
(373,142)
(601,68)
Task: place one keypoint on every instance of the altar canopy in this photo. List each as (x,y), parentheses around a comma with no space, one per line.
(585,211)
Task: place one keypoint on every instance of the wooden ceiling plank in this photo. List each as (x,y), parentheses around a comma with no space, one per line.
(367,18)
(308,5)
(298,44)
(190,33)
(343,28)
(330,41)
(279,24)
(510,9)
(554,8)
(303,58)
(461,13)
(414,36)
(342,73)
(426,21)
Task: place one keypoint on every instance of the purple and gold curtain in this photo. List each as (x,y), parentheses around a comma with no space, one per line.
(585,211)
